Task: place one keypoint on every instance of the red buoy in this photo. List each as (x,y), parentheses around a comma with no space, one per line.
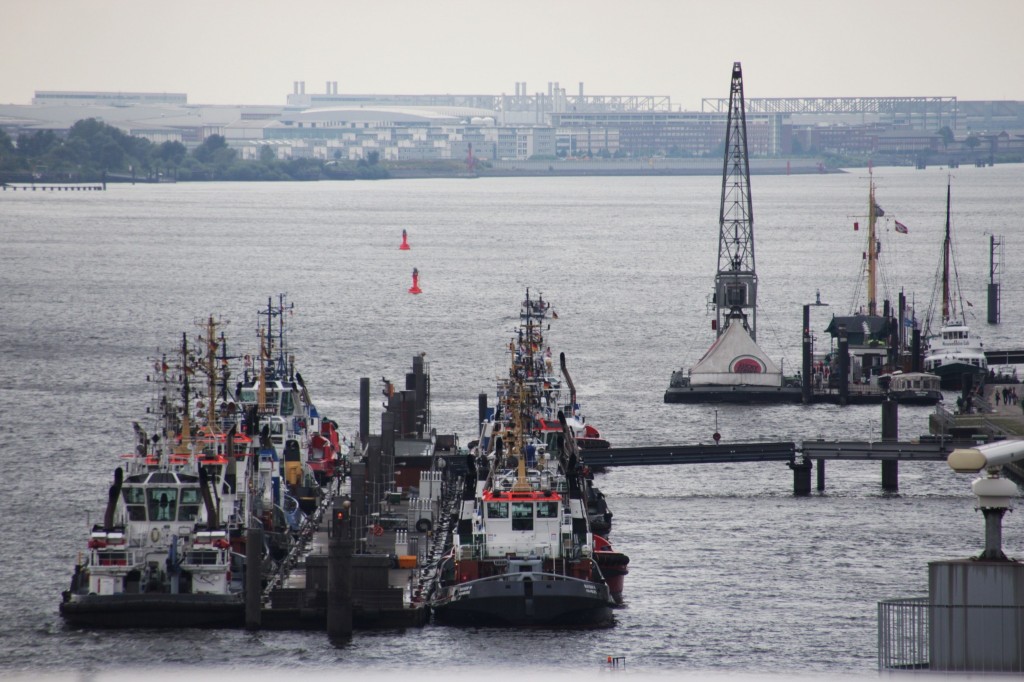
(415,288)
(405,242)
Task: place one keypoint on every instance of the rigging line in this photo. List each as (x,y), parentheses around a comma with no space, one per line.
(933,301)
(887,266)
(773,332)
(692,350)
(858,287)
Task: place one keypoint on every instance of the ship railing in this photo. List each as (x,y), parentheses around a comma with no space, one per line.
(112,557)
(914,634)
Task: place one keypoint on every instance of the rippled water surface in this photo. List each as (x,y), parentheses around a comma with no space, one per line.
(729,573)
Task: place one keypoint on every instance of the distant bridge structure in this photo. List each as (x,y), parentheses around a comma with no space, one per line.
(918,112)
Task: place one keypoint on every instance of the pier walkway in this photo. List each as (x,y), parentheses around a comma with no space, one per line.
(54,186)
(929,450)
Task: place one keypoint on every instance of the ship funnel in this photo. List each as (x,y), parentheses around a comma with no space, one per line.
(115,492)
(204,489)
(568,380)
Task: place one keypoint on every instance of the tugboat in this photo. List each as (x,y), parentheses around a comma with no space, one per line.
(171,549)
(276,403)
(523,551)
(162,555)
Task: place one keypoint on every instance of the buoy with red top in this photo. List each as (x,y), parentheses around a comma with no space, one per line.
(415,288)
(405,242)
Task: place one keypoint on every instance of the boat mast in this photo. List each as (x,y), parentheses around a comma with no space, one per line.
(185,446)
(872,247)
(212,376)
(261,394)
(736,279)
(947,313)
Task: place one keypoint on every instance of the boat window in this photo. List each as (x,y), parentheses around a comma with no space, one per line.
(247,395)
(287,403)
(547,510)
(162,503)
(189,509)
(522,516)
(497,510)
(135,503)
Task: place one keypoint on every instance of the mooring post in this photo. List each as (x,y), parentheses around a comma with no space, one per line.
(339,574)
(364,411)
(806,383)
(253,578)
(821,475)
(844,366)
(915,349)
(801,476)
(890,433)
(481,409)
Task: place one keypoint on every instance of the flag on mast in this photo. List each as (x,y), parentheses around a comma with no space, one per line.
(901,228)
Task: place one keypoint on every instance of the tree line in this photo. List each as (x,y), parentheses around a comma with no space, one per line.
(93,151)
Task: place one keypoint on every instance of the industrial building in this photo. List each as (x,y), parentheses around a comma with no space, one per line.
(544,125)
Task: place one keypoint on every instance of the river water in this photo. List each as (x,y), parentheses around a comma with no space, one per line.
(730,573)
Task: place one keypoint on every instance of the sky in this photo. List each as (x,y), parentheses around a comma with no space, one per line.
(252,51)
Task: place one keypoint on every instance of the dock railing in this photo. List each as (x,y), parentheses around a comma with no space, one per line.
(903,634)
(914,634)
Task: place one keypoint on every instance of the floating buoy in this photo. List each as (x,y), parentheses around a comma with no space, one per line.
(405,242)
(415,288)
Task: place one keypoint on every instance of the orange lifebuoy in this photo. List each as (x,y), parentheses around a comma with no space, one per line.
(378,530)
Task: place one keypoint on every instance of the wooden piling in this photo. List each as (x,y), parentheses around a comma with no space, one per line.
(801,476)
(339,577)
(890,433)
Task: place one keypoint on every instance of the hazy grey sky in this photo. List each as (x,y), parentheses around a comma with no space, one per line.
(251,51)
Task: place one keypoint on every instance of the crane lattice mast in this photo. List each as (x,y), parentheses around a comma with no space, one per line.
(736,280)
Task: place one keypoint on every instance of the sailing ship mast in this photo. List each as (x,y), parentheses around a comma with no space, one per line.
(947,313)
(736,279)
(952,300)
(872,252)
